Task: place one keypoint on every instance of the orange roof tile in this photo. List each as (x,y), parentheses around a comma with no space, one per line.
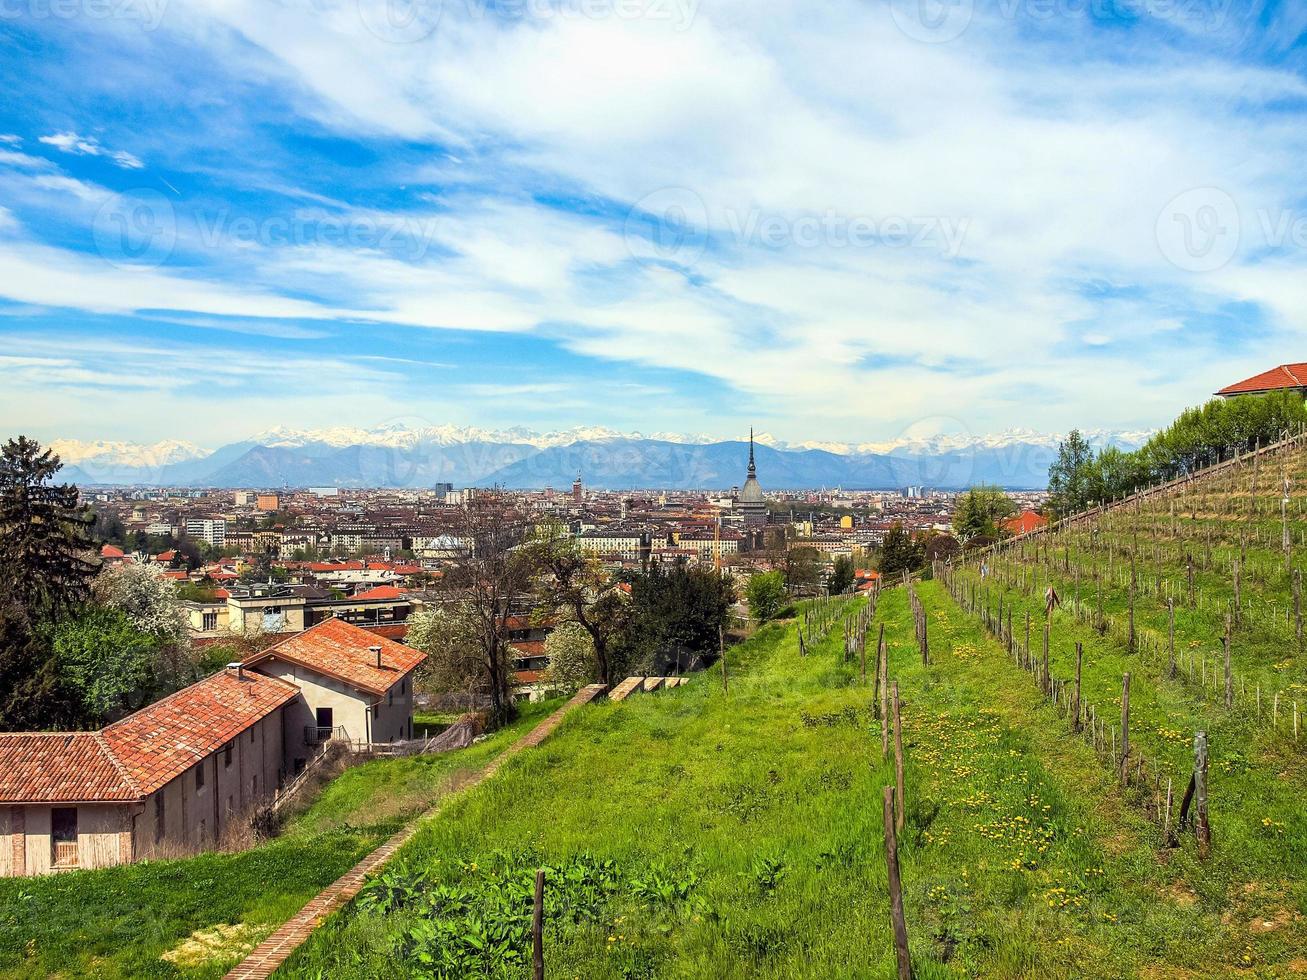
(1024,523)
(380,592)
(61,767)
(1283,376)
(160,742)
(340,650)
(109,551)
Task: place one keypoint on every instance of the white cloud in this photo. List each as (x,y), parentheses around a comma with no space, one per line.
(70,142)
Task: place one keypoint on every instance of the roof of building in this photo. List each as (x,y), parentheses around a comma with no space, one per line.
(380,592)
(1025,522)
(132,758)
(341,650)
(1283,376)
(161,741)
(109,551)
(61,767)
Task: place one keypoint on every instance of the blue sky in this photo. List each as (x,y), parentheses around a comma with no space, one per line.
(842,221)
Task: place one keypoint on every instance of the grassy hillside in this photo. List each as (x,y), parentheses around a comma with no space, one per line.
(698,832)
(205,911)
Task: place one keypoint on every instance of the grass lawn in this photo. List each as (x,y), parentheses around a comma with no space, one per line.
(119,922)
(697,833)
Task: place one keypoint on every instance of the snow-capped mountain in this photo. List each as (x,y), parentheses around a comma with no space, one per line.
(397,435)
(75,452)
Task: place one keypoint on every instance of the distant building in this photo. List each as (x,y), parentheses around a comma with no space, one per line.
(750,503)
(268,502)
(1286,377)
(577,494)
(210,530)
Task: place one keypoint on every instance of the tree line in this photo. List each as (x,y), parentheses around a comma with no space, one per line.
(1080,478)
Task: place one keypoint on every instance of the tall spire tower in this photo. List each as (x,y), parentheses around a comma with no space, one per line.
(751,503)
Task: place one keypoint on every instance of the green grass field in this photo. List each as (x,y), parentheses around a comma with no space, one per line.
(699,833)
(119,922)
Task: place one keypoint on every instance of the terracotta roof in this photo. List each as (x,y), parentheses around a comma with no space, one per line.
(380,592)
(61,767)
(162,741)
(1024,523)
(340,650)
(109,551)
(132,758)
(1284,376)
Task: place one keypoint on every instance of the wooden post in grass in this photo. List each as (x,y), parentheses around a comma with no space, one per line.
(1170,616)
(1202,828)
(1076,724)
(862,658)
(721,651)
(925,640)
(1297,606)
(1043,681)
(1125,729)
(889,806)
(1229,678)
(898,758)
(1166,824)
(538,929)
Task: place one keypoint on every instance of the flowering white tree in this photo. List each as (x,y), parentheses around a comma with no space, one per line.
(144,596)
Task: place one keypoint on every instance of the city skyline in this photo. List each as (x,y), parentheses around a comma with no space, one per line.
(546,216)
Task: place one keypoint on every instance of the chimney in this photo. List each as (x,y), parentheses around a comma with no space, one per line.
(237,666)
(377,651)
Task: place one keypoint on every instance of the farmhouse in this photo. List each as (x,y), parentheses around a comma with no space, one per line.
(178,775)
(1292,377)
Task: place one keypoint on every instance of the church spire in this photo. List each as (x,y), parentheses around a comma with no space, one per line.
(753,470)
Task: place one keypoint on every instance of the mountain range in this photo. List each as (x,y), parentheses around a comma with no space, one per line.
(400,456)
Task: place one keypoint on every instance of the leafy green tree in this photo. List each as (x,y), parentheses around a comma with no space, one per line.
(107,662)
(841,577)
(677,610)
(900,552)
(979,511)
(766,595)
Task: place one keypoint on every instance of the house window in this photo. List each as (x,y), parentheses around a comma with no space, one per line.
(226,756)
(403,688)
(160,813)
(390,698)
(251,736)
(63,836)
(210,622)
(199,776)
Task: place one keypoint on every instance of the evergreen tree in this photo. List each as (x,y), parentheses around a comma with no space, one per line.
(900,552)
(1070,477)
(44,565)
(841,577)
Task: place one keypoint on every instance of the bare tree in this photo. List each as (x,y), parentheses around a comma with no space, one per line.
(487,583)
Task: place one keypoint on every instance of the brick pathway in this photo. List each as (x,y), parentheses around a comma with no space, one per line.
(276,949)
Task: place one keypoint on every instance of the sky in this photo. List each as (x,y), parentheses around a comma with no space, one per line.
(846,221)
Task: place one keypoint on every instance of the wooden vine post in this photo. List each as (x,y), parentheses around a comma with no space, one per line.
(1076,723)
(1170,617)
(1202,827)
(538,929)
(896,886)
(898,758)
(1229,677)
(1125,728)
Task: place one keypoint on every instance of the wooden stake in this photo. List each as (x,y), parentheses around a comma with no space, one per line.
(1076,724)
(898,758)
(537,929)
(1202,828)
(896,886)
(1125,728)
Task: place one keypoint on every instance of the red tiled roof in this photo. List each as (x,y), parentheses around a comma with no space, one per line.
(162,741)
(132,758)
(1284,376)
(379,592)
(1024,523)
(109,551)
(340,650)
(61,767)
